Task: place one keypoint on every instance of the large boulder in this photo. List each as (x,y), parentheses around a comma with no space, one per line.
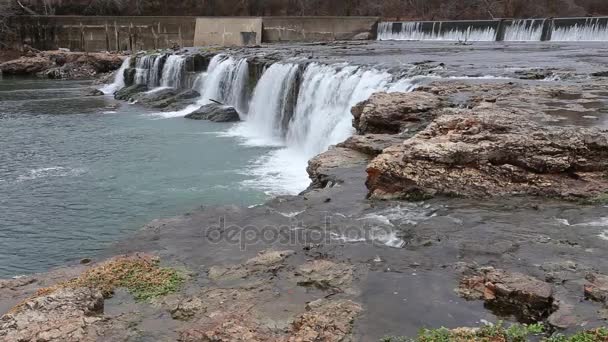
(327,169)
(128,93)
(487,152)
(177,102)
(215,112)
(526,297)
(392,113)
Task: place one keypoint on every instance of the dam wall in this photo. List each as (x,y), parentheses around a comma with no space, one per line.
(228,31)
(554,29)
(307,29)
(97,33)
(93,33)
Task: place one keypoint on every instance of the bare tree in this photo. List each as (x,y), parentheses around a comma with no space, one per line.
(8,9)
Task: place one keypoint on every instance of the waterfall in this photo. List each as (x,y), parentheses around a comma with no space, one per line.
(225,81)
(173,71)
(591,30)
(156,71)
(119,79)
(525,30)
(303,113)
(415,31)
(269,110)
(143,68)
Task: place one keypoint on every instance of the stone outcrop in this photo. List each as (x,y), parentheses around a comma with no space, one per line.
(63,65)
(597,288)
(475,140)
(395,112)
(526,297)
(326,168)
(216,113)
(492,152)
(64,315)
(325,320)
(129,93)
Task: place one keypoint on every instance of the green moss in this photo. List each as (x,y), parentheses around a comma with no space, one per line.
(597,200)
(498,333)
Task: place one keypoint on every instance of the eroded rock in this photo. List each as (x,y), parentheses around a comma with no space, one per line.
(264,262)
(325,320)
(393,113)
(492,152)
(325,275)
(526,297)
(324,169)
(128,93)
(597,288)
(64,315)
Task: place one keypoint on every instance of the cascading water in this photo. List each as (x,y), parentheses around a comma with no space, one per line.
(143,68)
(300,109)
(591,30)
(269,107)
(415,31)
(119,79)
(321,117)
(173,71)
(225,81)
(525,30)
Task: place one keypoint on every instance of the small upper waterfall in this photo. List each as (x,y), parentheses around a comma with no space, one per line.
(173,71)
(525,30)
(144,69)
(591,30)
(436,31)
(119,79)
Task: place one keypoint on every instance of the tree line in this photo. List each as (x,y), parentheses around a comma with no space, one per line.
(394,9)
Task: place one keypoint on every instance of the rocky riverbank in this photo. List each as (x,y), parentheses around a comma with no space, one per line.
(458,203)
(63,64)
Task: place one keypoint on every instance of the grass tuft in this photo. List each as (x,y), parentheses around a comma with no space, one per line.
(498,333)
(142,276)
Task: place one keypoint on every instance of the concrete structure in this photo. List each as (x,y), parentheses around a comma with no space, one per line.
(91,33)
(550,29)
(228,31)
(301,29)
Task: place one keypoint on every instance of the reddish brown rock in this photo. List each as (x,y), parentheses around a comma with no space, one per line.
(526,297)
(327,321)
(597,288)
(492,152)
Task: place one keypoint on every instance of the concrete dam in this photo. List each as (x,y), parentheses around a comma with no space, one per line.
(558,30)
(96,33)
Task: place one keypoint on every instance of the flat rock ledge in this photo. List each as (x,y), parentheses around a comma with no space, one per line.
(476,141)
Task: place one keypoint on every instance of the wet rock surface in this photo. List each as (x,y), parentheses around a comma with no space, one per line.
(216,113)
(528,298)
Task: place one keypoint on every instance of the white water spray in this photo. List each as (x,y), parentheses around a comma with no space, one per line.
(119,79)
(173,70)
(525,30)
(415,31)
